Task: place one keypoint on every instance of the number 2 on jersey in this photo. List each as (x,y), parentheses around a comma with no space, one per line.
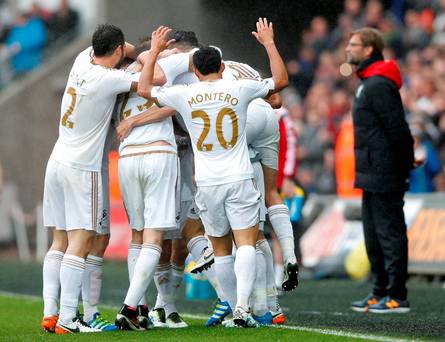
(219,131)
(65,122)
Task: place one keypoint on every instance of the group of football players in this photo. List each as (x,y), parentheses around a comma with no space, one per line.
(198,160)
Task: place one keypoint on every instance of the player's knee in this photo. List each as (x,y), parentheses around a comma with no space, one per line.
(60,241)
(272,197)
(100,244)
(137,237)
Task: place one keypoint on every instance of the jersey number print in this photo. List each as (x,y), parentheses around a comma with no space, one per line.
(219,131)
(65,122)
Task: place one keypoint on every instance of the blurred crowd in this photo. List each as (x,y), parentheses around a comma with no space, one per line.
(25,36)
(320,99)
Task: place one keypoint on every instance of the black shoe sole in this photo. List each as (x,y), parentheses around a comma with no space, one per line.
(292,282)
(144,322)
(203,267)
(124,323)
(240,322)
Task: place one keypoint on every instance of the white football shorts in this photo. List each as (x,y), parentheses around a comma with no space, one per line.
(228,206)
(148,185)
(72,198)
(262,132)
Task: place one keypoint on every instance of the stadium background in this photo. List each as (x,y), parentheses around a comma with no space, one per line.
(310,35)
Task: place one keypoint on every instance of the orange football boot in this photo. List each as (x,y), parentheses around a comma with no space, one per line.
(49,323)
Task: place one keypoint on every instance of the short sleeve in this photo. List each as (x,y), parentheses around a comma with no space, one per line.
(257,89)
(174,65)
(169,96)
(119,81)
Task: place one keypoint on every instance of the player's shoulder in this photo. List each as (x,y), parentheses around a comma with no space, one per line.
(240,71)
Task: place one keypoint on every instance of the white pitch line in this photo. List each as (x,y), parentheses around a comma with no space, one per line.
(332,332)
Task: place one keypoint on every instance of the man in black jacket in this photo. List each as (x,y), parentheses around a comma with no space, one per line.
(383,158)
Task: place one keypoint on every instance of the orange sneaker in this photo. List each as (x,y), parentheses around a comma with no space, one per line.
(278,316)
(279,319)
(49,323)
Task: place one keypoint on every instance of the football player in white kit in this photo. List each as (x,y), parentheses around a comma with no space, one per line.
(72,201)
(227,197)
(148,174)
(175,69)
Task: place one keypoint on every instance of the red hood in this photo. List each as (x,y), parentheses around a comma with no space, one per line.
(388,69)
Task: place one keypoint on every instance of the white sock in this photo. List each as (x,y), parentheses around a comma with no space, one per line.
(245,270)
(71,276)
(143,273)
(91,286)
(279,269)
(162,279)
(280,220)
(133,253)
(225,275)
(211,277)
(177,274)
(259,297)
(271,289)
(196,245)
(51,282)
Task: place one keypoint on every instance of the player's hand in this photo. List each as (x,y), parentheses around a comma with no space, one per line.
(124,128)
(142,57)
(264,31)
(159,39)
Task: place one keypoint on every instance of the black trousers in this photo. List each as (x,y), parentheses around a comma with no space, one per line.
(386,242)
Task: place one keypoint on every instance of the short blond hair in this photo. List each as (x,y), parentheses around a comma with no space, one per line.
(371,37)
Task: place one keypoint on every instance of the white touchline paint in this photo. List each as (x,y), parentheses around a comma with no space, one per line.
(331,332)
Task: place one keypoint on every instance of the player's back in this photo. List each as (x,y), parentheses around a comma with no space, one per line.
(215,115)
(131,104)
(86,110)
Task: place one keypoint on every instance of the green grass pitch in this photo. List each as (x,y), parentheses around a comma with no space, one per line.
(316,311)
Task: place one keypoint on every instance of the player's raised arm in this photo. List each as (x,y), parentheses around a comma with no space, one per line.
(159,41)
(264,34)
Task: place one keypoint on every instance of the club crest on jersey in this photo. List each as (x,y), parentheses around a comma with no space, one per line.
(359,91)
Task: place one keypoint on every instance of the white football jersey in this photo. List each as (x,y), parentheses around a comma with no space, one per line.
(86,110)
(176,69)
(215,115)
(239,71)
(131,104)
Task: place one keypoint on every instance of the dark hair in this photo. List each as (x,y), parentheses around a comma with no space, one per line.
(106,39)
(144,45)
(370,37)
(186,38)
(207,60)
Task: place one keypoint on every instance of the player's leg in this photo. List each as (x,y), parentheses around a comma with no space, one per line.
(260,309)
(83,203)
(162,279)
(179,254)
(198,245)
(224,266)
(92,285)
(280,220)
(242,208)
(159,183)
(92,280)
(53,216)
(51,279)
(271,290)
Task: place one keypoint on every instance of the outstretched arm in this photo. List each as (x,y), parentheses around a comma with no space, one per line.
(264,34)
(158,43)
(149,116)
